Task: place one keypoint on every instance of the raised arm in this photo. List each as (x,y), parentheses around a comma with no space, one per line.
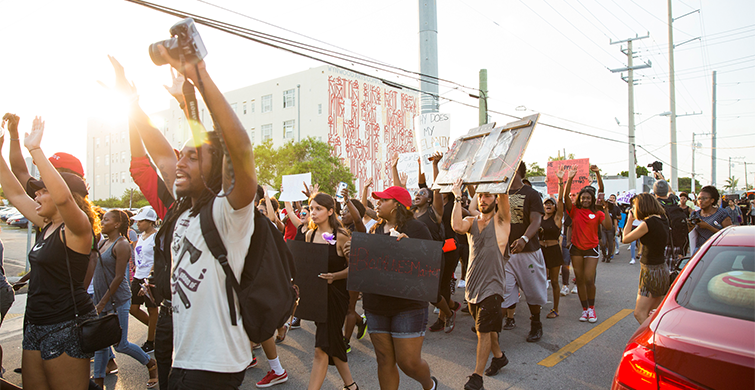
(296,221)
(474,208)
(560,200)
(394,171)
(458,223)
(16,194)
(232,131)
(595,169)
(16,158)
(503,222)
(567,199)
(358,223)
(437,196)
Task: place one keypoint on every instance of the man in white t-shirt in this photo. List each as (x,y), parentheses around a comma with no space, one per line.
(208,349)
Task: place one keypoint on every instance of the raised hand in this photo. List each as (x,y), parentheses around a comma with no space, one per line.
(33,139)
(121,83)
(403,177)
(310,190)
(560,172)
(435,158)
(345,194)
(394,159)
(12,120)
(594,168)
(175,88)
(367,183)
(573,171)
(457,187)
(189,71)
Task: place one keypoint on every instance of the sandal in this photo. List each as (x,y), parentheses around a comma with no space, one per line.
(152,382)
(553,314)
(348,387)
(282,334)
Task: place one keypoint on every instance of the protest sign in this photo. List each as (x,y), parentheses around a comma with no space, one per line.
(293,185)
(625,196)
(580,181)
(433,135)
(487,155)
(407,163)
(311,260)
(409,268)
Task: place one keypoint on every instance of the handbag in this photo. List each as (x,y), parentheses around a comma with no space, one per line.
(94,333)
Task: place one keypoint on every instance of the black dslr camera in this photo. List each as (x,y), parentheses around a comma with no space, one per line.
(656,165)
(186,41)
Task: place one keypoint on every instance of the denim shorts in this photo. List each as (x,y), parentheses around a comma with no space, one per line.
(54,339)
(404,325)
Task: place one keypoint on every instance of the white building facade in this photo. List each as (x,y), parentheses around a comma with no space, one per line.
(362,118)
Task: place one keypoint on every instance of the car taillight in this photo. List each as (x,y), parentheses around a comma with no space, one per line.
(637,368)
(668,380)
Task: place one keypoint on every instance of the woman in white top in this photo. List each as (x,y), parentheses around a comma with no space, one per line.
(144,258)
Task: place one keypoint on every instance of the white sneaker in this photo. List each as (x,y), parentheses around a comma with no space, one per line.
(617,250)
(574,290)
(583,318)
(462,284)
(565,290)
(631,261)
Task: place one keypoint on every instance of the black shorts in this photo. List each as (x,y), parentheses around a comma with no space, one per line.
(488,316)
(592,252)
(553,256)
(136,299)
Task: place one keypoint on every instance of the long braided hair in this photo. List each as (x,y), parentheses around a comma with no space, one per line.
(123,220)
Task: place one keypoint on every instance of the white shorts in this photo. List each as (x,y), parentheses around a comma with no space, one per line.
(526,270)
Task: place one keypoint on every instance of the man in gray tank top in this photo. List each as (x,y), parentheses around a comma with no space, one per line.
(488,236)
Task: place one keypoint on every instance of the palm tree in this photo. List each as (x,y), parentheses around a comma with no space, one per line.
(731,184)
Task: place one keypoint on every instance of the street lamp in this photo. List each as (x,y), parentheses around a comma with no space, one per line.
(665,113)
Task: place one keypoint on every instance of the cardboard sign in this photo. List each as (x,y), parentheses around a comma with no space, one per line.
(407,163)
(409,268)
(293,185)
(433,135)
(311,260)
(580,181)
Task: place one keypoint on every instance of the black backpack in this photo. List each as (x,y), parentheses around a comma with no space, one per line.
(266,291)
(677,223)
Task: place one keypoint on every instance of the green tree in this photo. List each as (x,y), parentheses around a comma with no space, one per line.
(684,184)
(535,169)
(307,155)
(137,201)
(638,170)
(731,184)
(570,156)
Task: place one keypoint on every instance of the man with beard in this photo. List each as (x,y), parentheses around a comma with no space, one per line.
(488,235)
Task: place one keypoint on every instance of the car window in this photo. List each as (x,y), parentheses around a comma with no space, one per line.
(722,283)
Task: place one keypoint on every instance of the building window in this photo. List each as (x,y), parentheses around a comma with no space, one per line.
(97,161)
(98,180)
(123,156)
(251,134)
(251,106)
(107,140)
(288,98)
(319,109)
(114,178)
(288,129)
(115,158)
(107,159)
(97,142)
(233,107)
(267,132)
(267,103)
(123,177)
(243,107)
(123,136)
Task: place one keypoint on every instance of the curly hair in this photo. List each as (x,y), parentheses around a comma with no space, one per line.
(90,210)
(403,215)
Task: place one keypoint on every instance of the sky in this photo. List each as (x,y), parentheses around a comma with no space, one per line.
(547,56)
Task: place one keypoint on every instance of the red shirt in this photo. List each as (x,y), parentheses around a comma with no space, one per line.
(290,230)
(585,225)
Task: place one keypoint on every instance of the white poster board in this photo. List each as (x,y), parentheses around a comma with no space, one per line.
(433,135)
(293,185)
(625,197)
(407,163)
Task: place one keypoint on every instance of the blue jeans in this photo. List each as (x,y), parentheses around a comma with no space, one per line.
(102,356)
(633,249)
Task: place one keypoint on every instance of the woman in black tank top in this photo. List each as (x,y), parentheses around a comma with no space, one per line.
(62,207)
(550,231)
(653,232)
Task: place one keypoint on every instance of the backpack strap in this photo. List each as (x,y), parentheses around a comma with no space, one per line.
(218,250)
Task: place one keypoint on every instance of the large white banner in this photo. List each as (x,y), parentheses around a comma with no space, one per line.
(433,135)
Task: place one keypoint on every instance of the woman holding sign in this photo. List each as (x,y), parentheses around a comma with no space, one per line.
(330,347)
(396,325)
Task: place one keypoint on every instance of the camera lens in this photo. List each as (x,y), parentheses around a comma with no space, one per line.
(170,44)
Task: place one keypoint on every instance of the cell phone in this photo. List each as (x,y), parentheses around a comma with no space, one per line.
(19,286)
(601,198)
(340,188)
(695,220)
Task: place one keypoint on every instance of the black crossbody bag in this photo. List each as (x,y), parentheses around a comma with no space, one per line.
(94,333)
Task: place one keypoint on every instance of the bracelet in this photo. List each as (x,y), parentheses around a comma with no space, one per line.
(526,240)
(15,139)
(31,150)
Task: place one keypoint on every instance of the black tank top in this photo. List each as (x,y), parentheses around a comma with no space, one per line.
(549,229)
(654,241)
(432,225)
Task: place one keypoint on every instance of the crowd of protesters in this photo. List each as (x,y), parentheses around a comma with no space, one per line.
(506,243)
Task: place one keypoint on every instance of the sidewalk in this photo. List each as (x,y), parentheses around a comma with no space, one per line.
(13,324)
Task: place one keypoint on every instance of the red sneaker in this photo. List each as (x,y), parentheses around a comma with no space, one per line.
(271,379)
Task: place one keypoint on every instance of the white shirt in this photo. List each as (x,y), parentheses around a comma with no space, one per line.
(144,256)
(203,336)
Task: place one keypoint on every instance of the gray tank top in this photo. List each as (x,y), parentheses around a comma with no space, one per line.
(104,275)
(485,272)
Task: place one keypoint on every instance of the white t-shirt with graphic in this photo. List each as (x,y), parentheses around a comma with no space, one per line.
(144,256)
(203,336)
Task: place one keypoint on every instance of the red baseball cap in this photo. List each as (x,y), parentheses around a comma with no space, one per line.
(65,160)
(400,194)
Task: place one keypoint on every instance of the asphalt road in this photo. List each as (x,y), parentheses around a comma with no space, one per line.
(451,356)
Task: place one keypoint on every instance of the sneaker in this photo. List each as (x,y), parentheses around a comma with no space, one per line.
(591,316)
(536,332)
(574,290)
(462,284)
(112,367)
(348,346)
(436,311)
(458,306)
(271,379)
(252,364)
(438,326)
(474,383)
(617,251)
(496,364)
(465,309)
(583,318)
(256,346)
(148,346)
(510,324)
(296,323)
(631,261)
(564,291)
(362,327)
(435,383)
(450,323)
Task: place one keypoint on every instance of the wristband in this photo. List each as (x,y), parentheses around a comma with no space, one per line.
(526,240)
(458,198)
(15,139)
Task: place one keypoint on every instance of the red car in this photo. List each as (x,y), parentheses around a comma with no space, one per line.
(702,336)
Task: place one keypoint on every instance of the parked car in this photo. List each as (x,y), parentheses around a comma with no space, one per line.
(702,336)
(17,221)
(13,215)
(7,212)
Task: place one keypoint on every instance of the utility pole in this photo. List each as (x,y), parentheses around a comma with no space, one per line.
(713,136)
(694,146)
(428,55)
(630,81)
(483,101)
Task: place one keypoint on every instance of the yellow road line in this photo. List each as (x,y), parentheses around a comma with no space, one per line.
(581,341)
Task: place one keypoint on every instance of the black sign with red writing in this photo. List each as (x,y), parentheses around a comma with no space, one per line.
(408,268)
